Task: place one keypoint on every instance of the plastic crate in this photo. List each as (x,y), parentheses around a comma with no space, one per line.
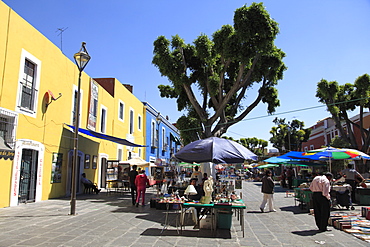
(224,220)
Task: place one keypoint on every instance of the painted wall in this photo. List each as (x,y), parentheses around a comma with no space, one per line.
(42,131)
(155,148)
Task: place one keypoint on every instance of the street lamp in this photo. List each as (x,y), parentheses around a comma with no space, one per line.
(81,58)
(289,136)
(158,119)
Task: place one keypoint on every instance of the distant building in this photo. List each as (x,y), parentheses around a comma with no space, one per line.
(324,131)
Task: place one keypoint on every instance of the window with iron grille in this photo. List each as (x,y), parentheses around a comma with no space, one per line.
(8,122)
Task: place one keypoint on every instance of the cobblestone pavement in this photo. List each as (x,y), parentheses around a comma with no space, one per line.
(111,220)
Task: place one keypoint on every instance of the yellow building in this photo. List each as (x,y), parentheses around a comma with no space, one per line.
(38,88)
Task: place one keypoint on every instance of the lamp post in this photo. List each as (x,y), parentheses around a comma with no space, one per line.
(81,58)
(158,120)
(289,136)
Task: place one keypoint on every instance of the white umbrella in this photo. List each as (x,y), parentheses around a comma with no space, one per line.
(136,161)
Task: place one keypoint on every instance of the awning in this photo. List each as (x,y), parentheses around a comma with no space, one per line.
(106,137)
(6,152)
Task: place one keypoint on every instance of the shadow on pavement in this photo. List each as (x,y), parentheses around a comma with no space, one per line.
(294,209)
(202,233)
(306,232)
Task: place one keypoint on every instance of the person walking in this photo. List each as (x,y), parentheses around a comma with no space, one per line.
(351,175)
(320,186)
(141,181)
(268,191)
(132,175)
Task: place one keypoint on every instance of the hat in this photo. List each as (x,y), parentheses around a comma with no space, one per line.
(329,174)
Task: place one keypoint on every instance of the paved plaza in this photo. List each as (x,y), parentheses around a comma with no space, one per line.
(111,220)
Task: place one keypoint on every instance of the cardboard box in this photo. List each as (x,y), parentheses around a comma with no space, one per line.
(345,225)
(332,219)
(364,211)
(206,222)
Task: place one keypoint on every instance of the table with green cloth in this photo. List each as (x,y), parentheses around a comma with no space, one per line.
(303,196)
(238,206)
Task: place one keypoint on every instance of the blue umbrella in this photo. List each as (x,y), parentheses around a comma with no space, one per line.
(216,150)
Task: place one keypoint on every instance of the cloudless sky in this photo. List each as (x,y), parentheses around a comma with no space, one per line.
(327,39)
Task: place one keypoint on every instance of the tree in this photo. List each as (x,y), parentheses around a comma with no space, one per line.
(222,69)
(341,99)
(288,136)
(254,144)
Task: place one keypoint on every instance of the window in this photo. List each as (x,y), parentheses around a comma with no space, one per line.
(28,84)
(121,111)
(164,144)
(153,135)
(139,122)
(119,154)
(103,119)
(131,127)
(74,105)
(8,121)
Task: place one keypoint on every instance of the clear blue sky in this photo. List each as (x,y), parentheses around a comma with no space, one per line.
(322,40)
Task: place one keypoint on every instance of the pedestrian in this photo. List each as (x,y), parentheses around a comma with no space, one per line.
(141,182)
(268,191)
(132,175)
(320,186)
(352,177)
(289,176)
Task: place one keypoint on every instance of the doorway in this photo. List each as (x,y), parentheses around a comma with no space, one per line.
(28,176)
(103,170)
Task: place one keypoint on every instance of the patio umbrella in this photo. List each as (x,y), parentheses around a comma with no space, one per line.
(216,150)
(331,153)
(188,165)
(267,166)
(136,161)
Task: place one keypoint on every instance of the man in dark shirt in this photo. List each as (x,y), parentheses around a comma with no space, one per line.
(132,174)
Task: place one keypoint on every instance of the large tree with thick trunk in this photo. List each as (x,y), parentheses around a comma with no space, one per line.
(341,100)
(212,77)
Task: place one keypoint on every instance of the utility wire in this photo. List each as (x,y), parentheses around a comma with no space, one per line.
(281,113)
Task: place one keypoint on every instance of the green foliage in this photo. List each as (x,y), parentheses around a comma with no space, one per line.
(254,144)
(222,69)
(339,143)
(343,99)
(288,136)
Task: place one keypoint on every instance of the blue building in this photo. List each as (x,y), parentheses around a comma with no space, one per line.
(162,138)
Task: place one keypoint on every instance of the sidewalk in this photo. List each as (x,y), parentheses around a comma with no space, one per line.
(111,220)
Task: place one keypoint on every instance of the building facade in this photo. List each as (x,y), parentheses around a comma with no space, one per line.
(38,93)
(324,131)
(162,137)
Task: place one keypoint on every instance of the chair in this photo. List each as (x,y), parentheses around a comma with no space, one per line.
(88,188)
